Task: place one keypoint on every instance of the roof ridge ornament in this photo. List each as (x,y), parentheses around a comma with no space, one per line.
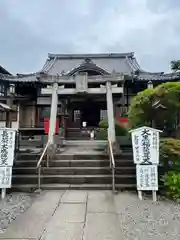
(88,60)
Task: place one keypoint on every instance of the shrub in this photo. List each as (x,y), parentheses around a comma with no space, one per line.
(141,111)
(172,184)
(101,134)
(170,154)
(120,130)
(103,124)
(170,160)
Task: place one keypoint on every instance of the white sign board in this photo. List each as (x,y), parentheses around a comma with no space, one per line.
(7,146)
(5,177)
(84,124)
(147,177)
(145,141)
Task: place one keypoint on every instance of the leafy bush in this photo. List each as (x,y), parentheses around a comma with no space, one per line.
(170,160)
(141,111)
(119,129)
(103,124)
(170,154)
(101,134)
(172,184)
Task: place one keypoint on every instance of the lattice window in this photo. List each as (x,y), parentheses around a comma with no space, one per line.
(2,90)
(103,114)
(76,115)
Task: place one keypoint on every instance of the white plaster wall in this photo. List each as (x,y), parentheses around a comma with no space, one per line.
(2,124)
(14,125)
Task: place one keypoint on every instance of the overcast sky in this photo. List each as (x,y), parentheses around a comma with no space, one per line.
(30,29)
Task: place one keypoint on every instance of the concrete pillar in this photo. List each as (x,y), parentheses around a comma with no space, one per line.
(53,115)
(110,112)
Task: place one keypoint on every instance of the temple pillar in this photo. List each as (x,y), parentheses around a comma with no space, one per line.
(53,114)
(110,112)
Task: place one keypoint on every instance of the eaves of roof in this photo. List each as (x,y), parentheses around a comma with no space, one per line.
(95,55)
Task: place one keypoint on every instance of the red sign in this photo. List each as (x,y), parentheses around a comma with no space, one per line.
(46,125)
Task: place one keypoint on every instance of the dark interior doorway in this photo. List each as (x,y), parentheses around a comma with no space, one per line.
(90,113)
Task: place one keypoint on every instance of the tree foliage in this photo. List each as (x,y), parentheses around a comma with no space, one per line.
(175,65)
(170,165)
(142,112)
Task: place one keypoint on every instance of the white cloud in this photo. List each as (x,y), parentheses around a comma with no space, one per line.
(31,29)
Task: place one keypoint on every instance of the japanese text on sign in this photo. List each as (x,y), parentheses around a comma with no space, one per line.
(7,146)
(5,177)
(145,145)
(147,177)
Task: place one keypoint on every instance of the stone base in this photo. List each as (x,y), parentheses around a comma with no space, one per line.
(115,147)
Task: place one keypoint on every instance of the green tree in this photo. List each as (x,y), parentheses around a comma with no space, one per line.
(175,65)
(142,111)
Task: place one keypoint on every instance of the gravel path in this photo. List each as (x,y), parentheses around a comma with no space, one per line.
(12,206)
(147,220)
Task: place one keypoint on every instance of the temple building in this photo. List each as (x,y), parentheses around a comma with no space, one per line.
(85,85)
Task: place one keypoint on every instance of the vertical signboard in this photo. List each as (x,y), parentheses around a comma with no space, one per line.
(145,141)
(7,148)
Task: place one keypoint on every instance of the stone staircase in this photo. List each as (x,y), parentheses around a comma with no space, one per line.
(77,134)
(78,167)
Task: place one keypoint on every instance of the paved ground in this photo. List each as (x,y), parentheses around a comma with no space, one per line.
(12,206)
(95,215)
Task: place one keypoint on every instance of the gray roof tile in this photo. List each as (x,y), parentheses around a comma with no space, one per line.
(58,63)
(67,64)
(4,71)
(147,76)
(20,78)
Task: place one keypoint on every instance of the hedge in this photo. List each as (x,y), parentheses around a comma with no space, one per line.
(170,163)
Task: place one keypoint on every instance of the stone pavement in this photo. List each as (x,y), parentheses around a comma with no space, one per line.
(68,215)
(96,215)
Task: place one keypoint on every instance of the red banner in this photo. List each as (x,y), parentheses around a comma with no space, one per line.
(46,125)
(123,120)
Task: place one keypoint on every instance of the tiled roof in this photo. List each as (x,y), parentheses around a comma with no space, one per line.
(19,78)
(147,76)
(4,71)
(66,63)
(104,64)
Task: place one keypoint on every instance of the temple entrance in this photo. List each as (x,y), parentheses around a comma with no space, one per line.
(90,113)
(90,109)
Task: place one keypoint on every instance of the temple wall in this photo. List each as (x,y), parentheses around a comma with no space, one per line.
(27,116)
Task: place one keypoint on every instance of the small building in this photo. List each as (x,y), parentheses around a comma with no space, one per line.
(82,89)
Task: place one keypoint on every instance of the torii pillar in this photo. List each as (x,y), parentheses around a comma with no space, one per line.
(110,113)
(53,115)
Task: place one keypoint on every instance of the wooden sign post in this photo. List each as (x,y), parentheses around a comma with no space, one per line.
(145,141)
(7,148)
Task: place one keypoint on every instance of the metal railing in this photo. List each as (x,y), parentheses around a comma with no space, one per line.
(39,164)
(112,162)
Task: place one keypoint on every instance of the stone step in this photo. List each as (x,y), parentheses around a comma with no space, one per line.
(33,187)
(31,156)
(74,170)
(74,163)
(73,179)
